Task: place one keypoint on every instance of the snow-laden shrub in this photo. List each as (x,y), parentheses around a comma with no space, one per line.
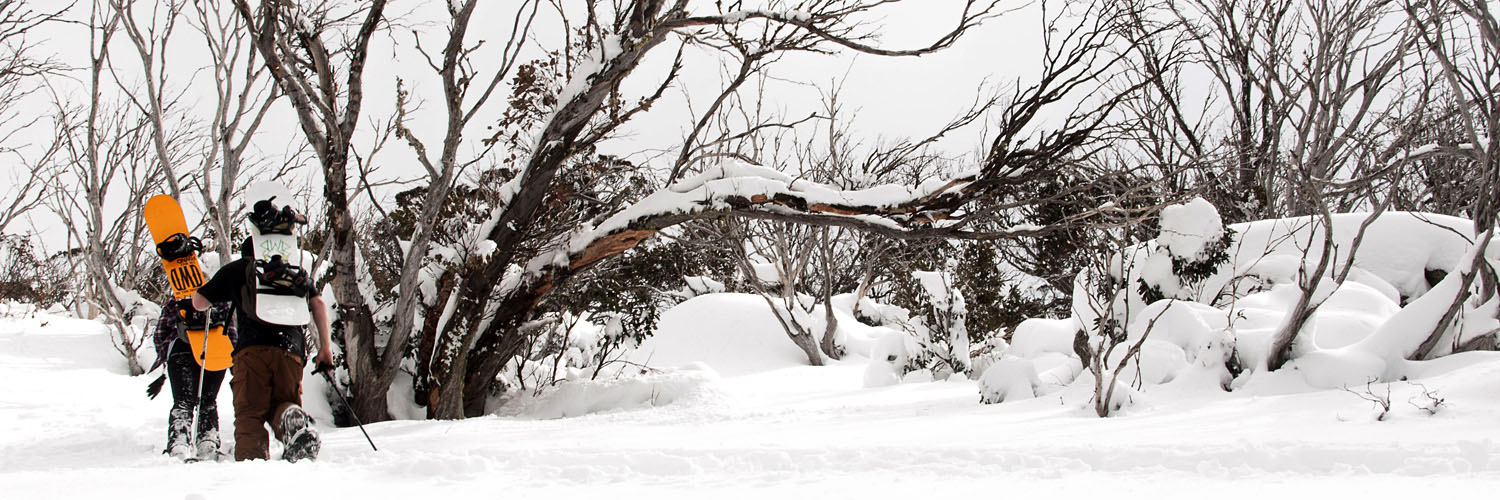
(568,347)
(700,285)
(1040,357)
(1198,309)
(591,324)
(1400,254)
(1036,336)
(985,354)
(937,327)
(1193,246)
(888,361)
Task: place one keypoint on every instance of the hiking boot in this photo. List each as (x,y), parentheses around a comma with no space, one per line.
(178,424)
(208,445)
(304,444)
(181,451)
(298,435)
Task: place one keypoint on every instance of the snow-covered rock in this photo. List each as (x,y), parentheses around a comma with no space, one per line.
(1041,335)
(1009,379)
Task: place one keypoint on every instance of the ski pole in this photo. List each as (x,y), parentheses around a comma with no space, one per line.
(202,370)
(323,370)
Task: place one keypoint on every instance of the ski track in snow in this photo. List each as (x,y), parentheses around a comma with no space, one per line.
(78,427)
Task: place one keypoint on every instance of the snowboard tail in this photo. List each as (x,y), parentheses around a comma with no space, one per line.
(220,349)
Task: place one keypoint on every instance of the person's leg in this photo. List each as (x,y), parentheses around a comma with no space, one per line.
(251,385)
(208,415)
(291,424)
(286,387)
(183,376)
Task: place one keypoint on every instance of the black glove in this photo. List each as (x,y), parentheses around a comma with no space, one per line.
(324,368)
(154,387)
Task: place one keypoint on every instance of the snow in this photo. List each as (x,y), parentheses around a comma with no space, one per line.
(888,358)
(766,272)
(739,16)
(936,286)
(1187,228)
(731,410)
(1009,379)
(1397,247)
(734,334)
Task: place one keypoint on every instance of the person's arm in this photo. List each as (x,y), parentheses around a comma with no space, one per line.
(217,289)
(322,322)
(200,302)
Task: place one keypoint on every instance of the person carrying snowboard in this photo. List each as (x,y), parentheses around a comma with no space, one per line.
(268,358)
(182,371)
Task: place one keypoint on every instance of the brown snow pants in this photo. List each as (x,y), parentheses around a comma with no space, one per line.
(266,380)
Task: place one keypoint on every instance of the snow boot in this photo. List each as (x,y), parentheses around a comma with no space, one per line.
(178,423)
(181,451)
(298,435)
(208,445)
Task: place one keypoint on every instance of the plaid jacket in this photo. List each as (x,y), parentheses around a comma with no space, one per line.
(169,327)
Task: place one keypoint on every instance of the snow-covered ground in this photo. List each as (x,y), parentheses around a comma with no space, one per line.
(747,421)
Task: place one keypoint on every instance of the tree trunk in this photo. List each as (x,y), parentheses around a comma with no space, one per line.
(809,346)
(368,382)
(447,398)
(794,330)
(1466,283)
(329,128)
(829,345)
(1286,336)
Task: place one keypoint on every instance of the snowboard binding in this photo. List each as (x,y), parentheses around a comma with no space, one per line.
(178,246)
(278,277)
(268,220)
(193,319)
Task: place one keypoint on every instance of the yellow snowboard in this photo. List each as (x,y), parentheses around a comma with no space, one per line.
(164,219)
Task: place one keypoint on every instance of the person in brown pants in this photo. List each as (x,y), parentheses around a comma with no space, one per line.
(268,359)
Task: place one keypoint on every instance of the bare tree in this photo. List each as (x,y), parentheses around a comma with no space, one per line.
(1463,37)
(292,42)
(1350,68)
(1101,303)
(20,72)
(542,223)
(787,250)
(459,77)
(1246,47)
(243,95)
(1309,87)
(150,41)
(106,150)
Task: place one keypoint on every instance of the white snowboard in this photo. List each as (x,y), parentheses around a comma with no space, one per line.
(288,310)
